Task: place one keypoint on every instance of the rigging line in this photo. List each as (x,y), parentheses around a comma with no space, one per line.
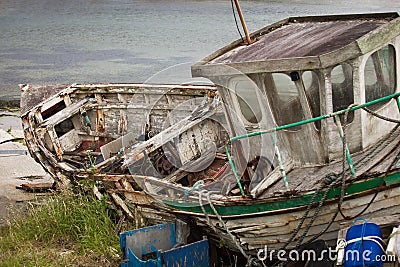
(312,220)
(389,138)
(250,260)
(324,230)
(237,26)
(343,182)
(338,179)
(333,182)
(371,201)
(343,186)
(381,116)
(223,224)
(339,210)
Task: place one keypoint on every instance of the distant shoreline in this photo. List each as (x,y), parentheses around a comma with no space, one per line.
(9,102)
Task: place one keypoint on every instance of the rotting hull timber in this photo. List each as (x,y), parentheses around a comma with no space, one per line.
(67,127)
(254,230)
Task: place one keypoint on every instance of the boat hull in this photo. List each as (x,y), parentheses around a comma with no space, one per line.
(76,131)
(275,229)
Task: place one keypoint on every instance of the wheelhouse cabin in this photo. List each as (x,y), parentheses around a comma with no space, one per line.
(302,68)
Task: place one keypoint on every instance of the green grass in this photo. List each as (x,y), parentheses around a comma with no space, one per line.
(64,230)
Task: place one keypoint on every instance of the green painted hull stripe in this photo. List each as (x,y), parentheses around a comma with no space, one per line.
(273,204)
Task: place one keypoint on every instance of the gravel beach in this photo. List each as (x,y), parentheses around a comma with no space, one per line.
(16,168)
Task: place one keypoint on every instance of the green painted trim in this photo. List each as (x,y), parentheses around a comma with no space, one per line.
(343,111)
(279,158)
(392,180)
(347,151)
(234,170)
(398,102)
(277,204)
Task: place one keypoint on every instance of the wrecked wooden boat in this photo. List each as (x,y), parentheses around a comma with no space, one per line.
(300,136)
(311,108)
(83,128)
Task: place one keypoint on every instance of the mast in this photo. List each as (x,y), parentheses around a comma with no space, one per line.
(246,32)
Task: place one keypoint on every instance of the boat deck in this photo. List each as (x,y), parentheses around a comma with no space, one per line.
(376,160)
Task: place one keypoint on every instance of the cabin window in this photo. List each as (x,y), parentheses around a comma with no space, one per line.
(284,95)
(342,89)
(247,98)
(379,75)
(311,86)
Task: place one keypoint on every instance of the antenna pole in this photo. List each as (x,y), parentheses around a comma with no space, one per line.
(246,32)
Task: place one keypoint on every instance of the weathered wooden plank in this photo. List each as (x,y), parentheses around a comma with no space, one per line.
(32,96)
(341,55)
(273,65)
(299,43)
(112,148)
(119,202)
(64,114)
(272,178)
(157,141)
(70,141)
(375,39)
(36,187)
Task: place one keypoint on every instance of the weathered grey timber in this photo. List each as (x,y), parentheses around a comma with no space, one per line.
(302,43)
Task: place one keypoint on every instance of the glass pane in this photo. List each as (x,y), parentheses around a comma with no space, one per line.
(311,85)
(284,95)
(342,89)
(287,90)
(379,75)
(247,98)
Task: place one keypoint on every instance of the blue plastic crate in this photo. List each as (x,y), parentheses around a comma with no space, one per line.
(161,245)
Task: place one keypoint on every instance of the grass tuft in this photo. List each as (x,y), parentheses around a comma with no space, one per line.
(66,229)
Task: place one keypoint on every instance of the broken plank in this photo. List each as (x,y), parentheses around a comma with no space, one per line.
(36,187)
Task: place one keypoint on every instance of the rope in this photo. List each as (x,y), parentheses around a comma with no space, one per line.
(361,162)
(251,261)
(333,179)
(381,144)
(234,170)
(239,246)
(343,186)
(313,218)
(204,211)
(237,26)
(357,164)
(374,152)
(333,182)
(381,116)
(321,202)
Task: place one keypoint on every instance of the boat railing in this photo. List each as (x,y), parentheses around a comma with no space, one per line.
(273,131)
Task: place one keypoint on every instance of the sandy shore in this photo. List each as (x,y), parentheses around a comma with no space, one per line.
(16,168)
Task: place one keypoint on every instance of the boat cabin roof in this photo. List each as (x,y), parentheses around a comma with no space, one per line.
(302,43)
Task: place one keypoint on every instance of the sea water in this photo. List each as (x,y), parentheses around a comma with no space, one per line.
(90,41)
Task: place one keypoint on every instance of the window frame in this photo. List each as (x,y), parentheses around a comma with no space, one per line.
(394,89)
(235,97)
(351,115)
